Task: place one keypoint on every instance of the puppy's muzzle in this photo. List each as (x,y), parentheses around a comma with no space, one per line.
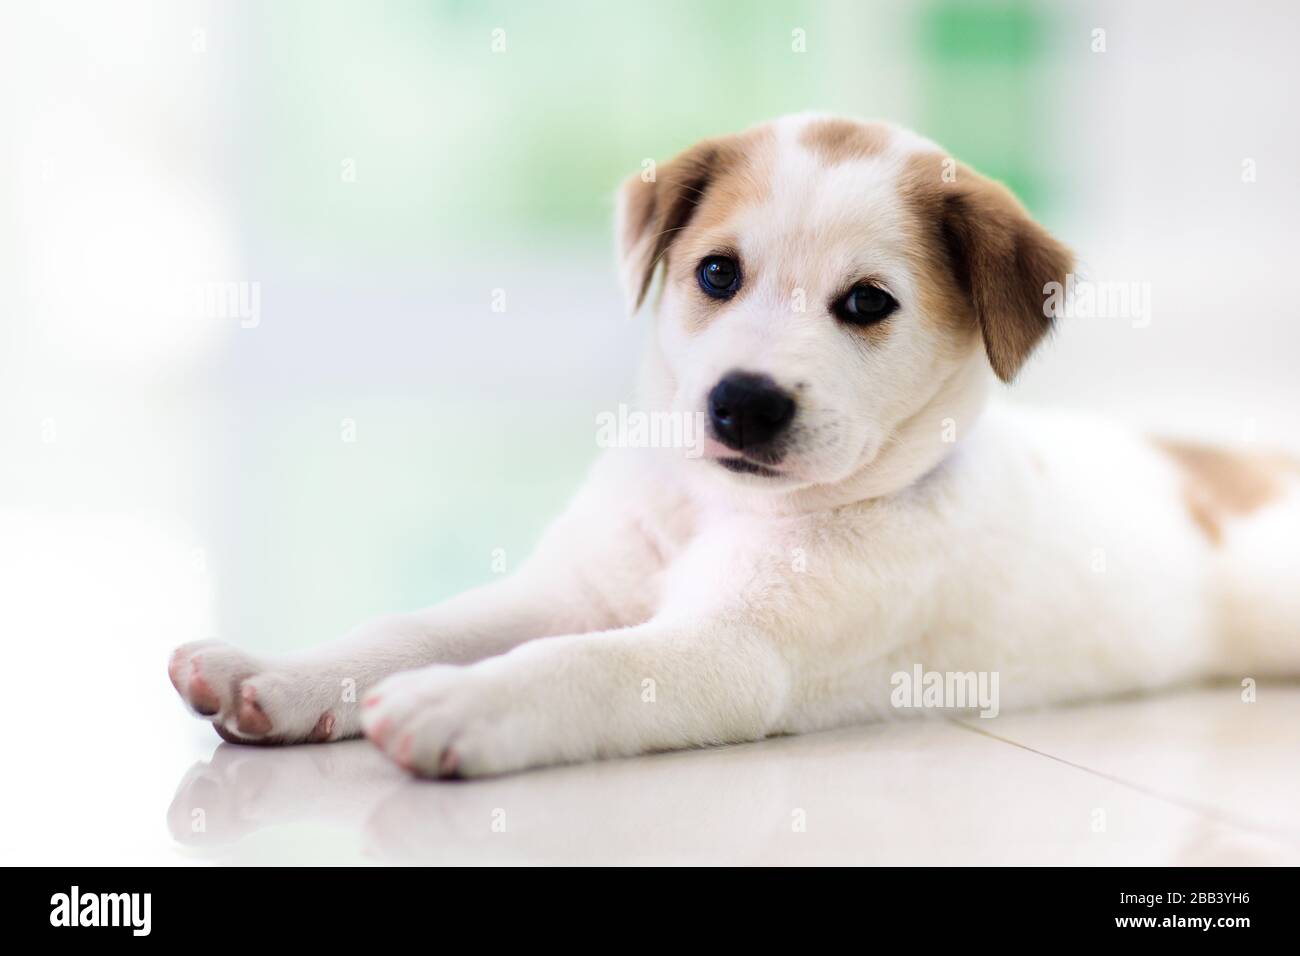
(748,411)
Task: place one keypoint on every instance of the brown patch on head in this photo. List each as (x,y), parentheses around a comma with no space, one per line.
(1219,484)
(700,188)
(841,141)
(986,257)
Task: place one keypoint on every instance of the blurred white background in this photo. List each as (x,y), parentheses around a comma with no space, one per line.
(362,432)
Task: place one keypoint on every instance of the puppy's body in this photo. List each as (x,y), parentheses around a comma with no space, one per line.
(835,295)
(1057,550)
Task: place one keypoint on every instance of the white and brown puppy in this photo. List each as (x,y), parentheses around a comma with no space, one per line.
(837,297)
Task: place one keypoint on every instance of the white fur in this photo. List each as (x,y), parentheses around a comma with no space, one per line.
(683,605)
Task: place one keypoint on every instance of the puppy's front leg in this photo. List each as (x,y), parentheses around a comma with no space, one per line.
(315,695)
(594,569)
(656,686)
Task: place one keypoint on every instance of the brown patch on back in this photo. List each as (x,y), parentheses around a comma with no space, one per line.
(1220,484)
(838,141)
(986,256)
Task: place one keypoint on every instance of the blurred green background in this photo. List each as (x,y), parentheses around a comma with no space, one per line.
(531,134)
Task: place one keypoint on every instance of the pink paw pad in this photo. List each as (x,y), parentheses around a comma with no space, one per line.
(402,753)
(379,731)
(174,670)
(449,763)
(201,696)
(324,727)
(251,719)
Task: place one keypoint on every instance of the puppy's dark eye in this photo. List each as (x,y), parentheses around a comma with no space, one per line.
(719,276)
(865,305)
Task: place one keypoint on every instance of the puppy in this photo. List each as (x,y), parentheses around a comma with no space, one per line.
(837,297)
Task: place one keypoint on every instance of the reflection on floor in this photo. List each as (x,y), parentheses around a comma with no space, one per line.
(1190,778)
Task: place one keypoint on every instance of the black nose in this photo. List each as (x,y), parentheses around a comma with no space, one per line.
(748,410)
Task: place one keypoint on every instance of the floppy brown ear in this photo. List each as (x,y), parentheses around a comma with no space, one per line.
(1002,261)
(653,206)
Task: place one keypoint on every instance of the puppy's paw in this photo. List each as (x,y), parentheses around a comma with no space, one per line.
(447,721)
(248,702)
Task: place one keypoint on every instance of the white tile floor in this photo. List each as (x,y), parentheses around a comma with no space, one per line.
(1191,777)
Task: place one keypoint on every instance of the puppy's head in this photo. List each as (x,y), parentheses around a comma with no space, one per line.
(834,293)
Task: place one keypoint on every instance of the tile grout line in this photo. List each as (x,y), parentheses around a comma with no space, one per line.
(1214,813)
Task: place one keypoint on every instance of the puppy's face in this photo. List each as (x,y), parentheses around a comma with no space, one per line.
(826,282)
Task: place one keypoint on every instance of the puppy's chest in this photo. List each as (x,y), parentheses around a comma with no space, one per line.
(833,564)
